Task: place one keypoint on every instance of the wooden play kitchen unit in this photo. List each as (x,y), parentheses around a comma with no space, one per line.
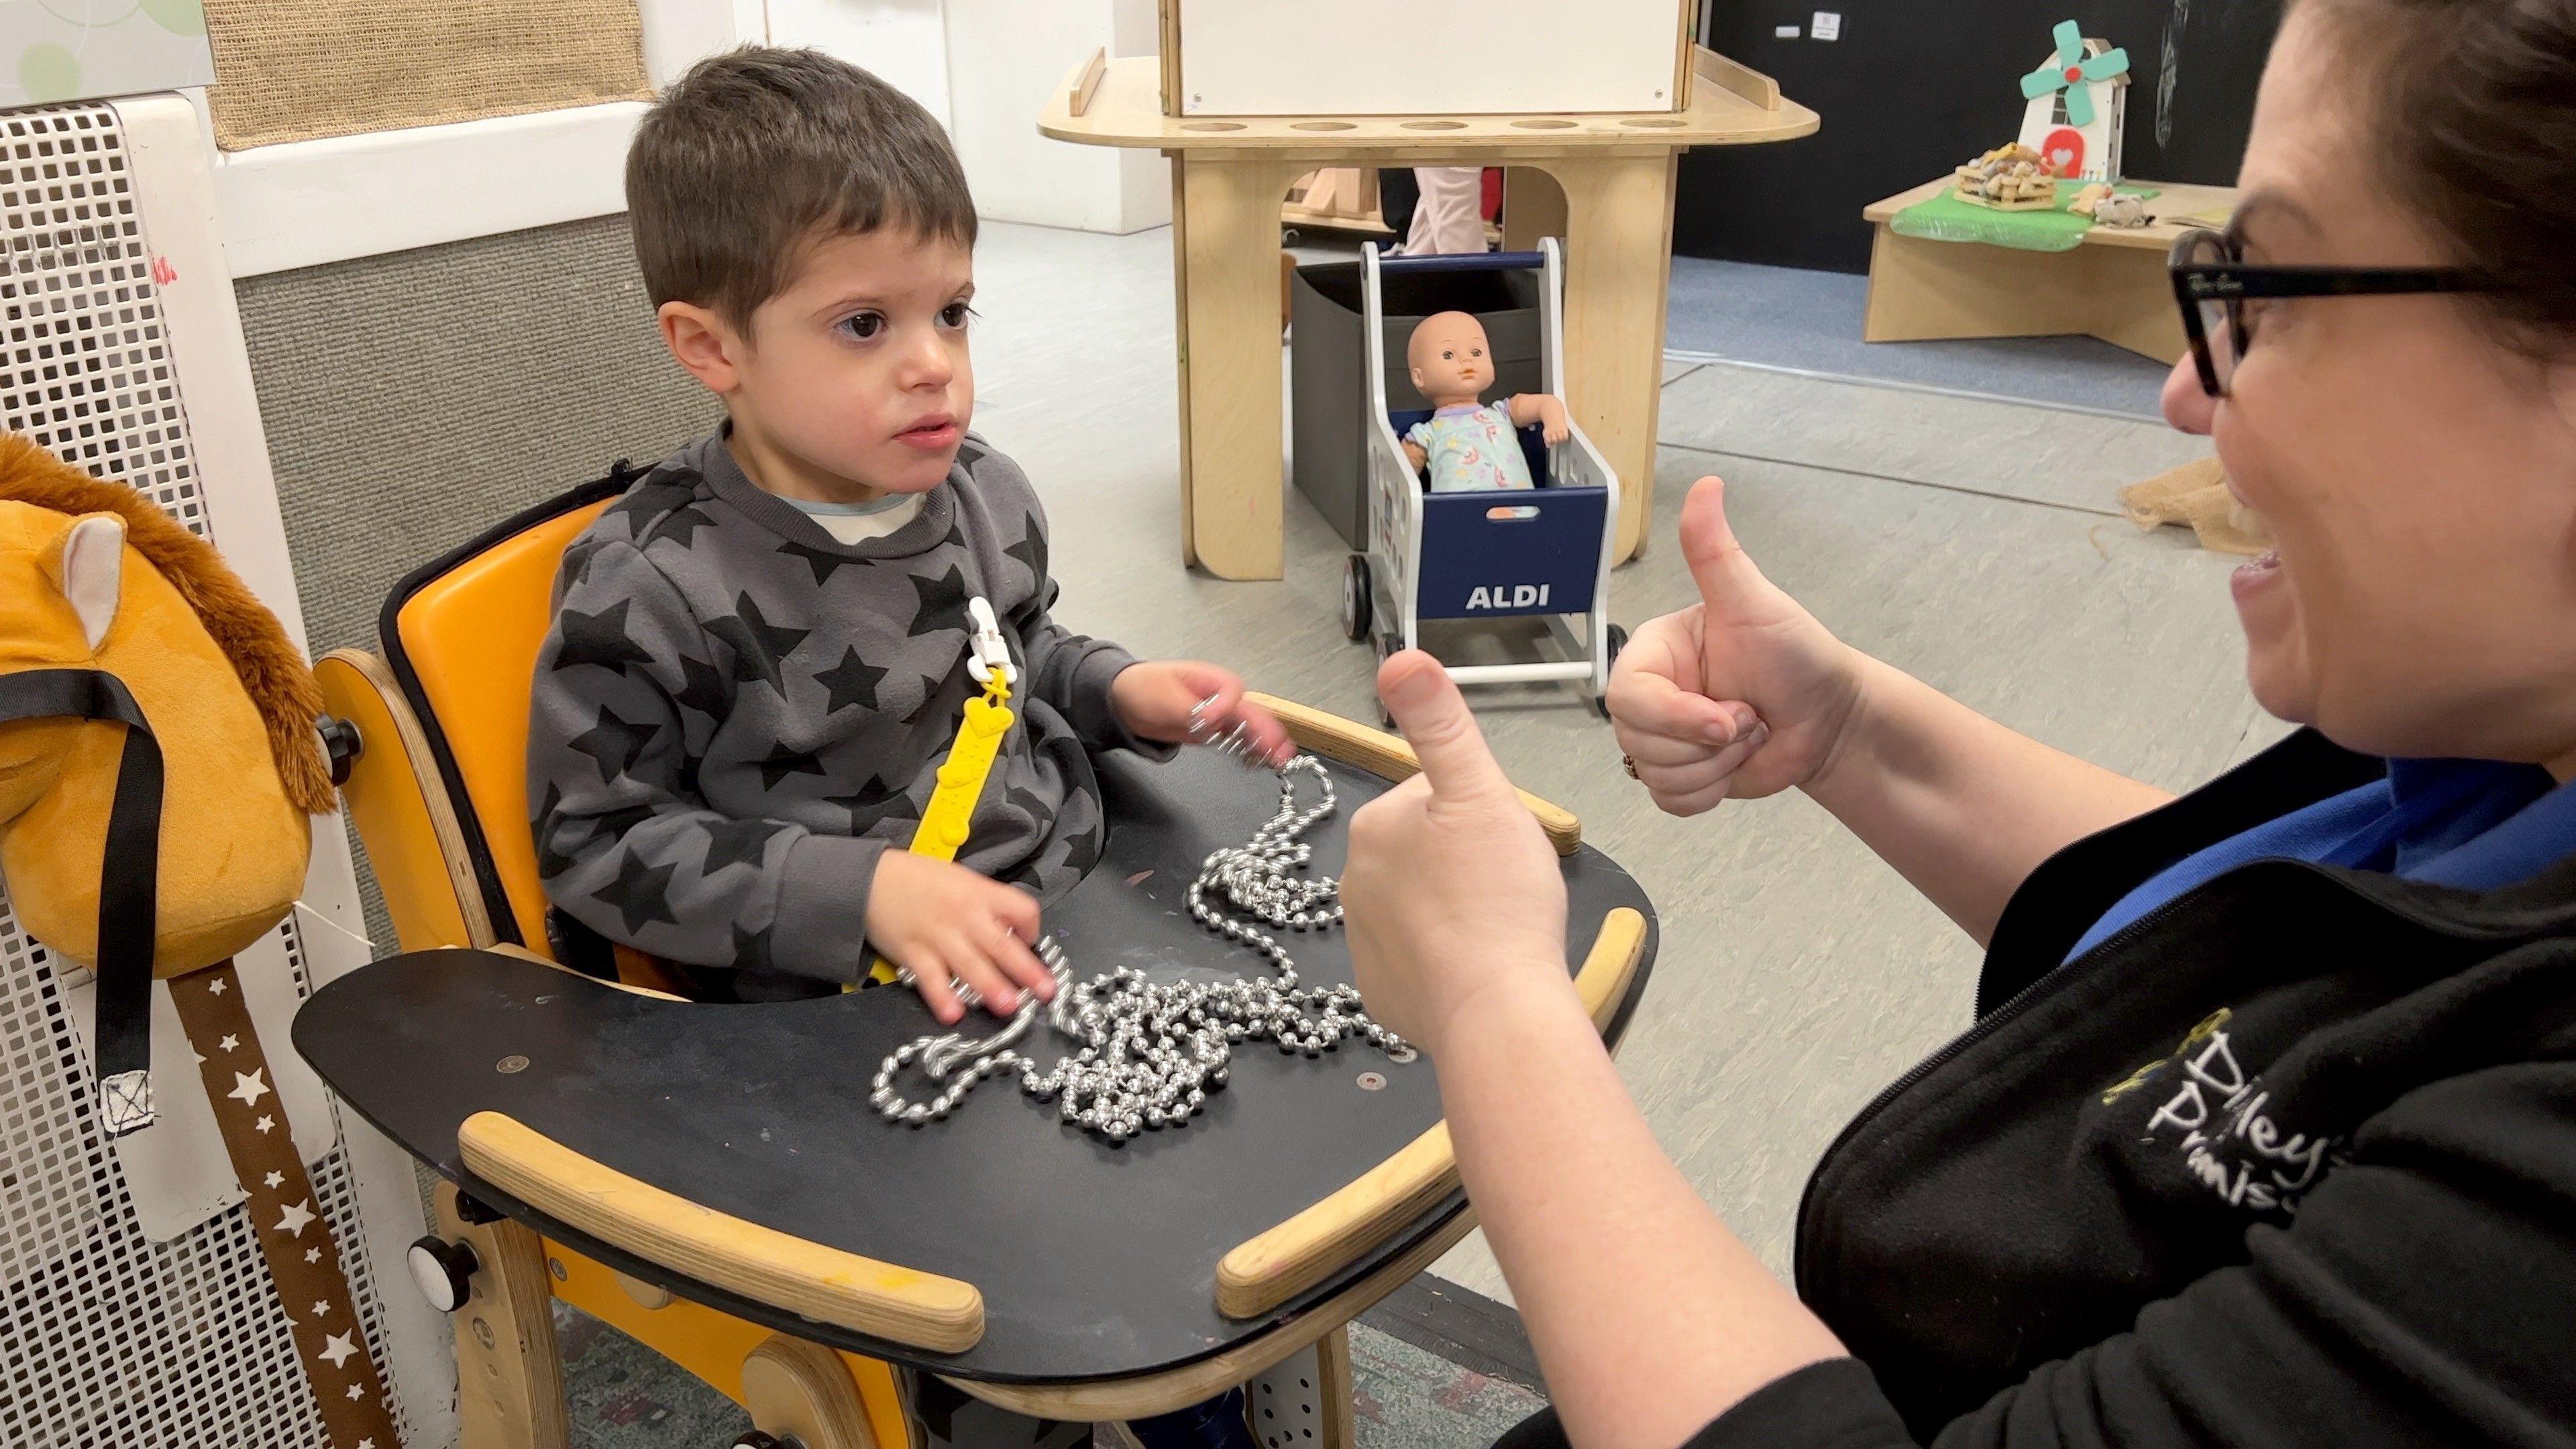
(1588,118)
(2111,285)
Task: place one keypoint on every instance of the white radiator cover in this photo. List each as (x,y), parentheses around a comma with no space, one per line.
(121,352)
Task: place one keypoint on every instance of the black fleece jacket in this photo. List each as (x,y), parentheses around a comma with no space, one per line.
(2289,1161)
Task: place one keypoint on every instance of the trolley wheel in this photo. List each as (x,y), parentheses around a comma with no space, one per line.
(1388,646)
(1617,639)
(1357,602)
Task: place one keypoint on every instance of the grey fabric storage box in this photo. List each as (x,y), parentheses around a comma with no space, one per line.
(1328,396)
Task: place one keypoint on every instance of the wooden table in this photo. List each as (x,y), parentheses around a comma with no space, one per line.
(2112,285)
(1603,182)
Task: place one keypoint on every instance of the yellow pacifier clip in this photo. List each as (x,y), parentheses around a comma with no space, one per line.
(951,811)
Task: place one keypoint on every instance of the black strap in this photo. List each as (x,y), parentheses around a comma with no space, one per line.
(129,890)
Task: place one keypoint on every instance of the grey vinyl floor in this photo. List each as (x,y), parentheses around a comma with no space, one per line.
(1975,543)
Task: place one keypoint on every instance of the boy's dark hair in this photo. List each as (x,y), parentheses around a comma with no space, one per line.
(759,151)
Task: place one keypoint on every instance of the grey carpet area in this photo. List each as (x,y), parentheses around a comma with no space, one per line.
(1786,317)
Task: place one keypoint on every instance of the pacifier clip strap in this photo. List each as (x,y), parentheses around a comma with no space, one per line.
(950,813)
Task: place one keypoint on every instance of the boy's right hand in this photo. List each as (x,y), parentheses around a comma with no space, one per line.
(946,924)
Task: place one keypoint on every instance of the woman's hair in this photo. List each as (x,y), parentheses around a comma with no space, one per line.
(2474,115)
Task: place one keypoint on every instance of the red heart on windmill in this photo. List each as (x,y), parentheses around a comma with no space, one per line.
(2064,151)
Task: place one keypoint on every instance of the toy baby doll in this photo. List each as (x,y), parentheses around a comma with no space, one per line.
(1470,444)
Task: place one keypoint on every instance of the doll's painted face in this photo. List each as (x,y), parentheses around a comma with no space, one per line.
(1451,361)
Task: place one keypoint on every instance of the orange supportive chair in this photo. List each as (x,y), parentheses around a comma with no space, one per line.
(437,789)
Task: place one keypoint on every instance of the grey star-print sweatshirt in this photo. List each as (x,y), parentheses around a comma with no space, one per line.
(735,715)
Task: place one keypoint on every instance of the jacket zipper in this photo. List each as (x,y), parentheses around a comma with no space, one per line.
(2002,1016)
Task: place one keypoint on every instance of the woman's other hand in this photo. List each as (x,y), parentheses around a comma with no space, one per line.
(1452,891)
(1742,694)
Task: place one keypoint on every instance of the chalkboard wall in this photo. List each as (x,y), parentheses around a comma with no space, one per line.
(1914,87)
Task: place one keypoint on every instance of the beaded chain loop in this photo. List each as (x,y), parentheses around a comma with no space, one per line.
(1151,1051)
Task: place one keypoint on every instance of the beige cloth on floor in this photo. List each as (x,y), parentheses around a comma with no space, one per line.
(1450,217)
(297,70)
(2196,495)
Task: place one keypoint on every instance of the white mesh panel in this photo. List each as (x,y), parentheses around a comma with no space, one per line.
(105,1338)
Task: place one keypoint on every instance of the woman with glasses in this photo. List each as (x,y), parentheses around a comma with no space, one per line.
(2265,1133)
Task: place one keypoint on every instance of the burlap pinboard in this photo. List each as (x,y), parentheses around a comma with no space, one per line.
(297,70)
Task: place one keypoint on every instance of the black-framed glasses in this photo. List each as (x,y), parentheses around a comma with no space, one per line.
(2212,282)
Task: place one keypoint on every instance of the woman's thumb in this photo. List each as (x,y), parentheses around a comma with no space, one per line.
(1718,564)
(1436,721)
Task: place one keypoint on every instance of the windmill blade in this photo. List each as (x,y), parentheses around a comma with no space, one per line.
(2106,65)
(2070,42)
(2079,104)
(2041,81)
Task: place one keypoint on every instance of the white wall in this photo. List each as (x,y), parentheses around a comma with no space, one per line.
(983,67)
(1005,57)
(902,41)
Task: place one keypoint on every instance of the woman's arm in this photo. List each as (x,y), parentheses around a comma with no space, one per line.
(1745,694)
(1961,806)
(1649,1317)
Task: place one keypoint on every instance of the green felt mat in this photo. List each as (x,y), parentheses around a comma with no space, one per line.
(1946,218)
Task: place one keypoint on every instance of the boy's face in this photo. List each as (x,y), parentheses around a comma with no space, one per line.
(855,380)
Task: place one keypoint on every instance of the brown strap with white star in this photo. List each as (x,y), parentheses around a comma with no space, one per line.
(285,1219)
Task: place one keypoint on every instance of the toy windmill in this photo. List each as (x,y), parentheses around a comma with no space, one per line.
(2079,99)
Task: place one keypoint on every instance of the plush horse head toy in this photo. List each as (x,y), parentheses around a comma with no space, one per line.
(158,753)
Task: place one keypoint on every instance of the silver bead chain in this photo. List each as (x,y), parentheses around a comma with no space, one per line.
(1150,1051)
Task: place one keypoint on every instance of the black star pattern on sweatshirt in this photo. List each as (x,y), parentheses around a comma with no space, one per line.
(1028,802)
(736,842)
(783,762)
(850,682)
(943,603)
(931,685)
(641,893)
(646,502)
(873,802)
(823,562)
(681,525)
(616,743)
(550,861)
(599,639)
(1083,851)
(757,644)
(614,825)
(1031,551)
(703,688)
(750,950)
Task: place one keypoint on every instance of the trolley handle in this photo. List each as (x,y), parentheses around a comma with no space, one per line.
(1465,262)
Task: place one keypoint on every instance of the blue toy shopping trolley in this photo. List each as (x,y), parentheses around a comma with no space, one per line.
(1485,555)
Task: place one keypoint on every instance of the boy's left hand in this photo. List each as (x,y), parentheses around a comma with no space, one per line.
(1155,701)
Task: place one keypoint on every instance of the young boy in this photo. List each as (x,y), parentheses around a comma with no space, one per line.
(759,656)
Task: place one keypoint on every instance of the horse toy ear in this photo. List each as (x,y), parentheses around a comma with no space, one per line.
(88,566)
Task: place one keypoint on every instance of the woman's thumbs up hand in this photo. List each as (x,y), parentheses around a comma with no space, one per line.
(1452,891)
(1742,694)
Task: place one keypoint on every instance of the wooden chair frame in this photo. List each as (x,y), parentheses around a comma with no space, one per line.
(415,813)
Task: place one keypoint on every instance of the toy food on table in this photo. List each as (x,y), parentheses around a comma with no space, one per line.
(2008,178)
